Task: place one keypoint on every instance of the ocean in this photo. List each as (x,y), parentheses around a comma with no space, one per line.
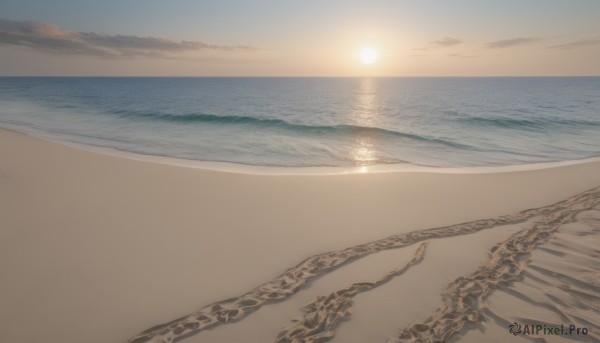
(316,122)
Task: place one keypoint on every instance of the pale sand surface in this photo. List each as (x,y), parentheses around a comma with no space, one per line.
(96,248)
(379,313)
(561,285)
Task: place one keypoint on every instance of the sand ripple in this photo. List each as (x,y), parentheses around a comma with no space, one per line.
(324,313)
(559,286)
(464,299)
(461,299)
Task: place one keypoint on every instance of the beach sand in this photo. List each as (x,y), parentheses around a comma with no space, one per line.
(98,248)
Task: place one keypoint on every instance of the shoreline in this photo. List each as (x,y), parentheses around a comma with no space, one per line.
(90,238)
(239,168)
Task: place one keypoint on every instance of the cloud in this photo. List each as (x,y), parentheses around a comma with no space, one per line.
(51,38)
(446,42)
(576,44)
(462,56)
(507,43)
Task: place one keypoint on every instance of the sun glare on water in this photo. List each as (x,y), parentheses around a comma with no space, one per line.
(368,56)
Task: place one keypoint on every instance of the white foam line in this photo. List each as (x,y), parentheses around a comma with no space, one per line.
(238,168)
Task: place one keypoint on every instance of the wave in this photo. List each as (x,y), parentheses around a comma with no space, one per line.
(340,129)
(514,123)
(502,122)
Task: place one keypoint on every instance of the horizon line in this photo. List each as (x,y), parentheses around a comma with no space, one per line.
(297,76)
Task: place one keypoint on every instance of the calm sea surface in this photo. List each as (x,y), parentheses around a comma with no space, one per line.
(446,122)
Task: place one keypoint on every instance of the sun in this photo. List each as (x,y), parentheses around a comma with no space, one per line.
(368,56)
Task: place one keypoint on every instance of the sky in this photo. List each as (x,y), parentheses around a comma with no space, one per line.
(299,38)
